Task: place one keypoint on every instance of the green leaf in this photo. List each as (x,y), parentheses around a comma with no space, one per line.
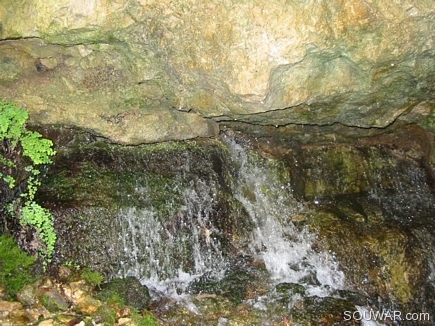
(39,150)
(9,180)
(41,219)
(12,121)
(16,142)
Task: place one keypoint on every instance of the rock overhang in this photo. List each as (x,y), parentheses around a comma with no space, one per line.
(149,71)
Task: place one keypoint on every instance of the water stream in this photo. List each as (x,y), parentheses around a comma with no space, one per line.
(212,227)
(165,257)
(169,257)
(286,251)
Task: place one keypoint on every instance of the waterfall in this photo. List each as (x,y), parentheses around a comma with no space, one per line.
(286,251)
(166,253)
(168,256)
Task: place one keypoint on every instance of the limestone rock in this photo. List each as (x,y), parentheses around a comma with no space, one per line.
(6,306)
(13,313)
(88,305)
(124,321)
(48,322)
(181,63)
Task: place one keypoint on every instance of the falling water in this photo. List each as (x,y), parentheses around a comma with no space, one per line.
(286,251)
(167,256)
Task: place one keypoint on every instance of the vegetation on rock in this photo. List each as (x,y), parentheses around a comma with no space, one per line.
(15,266)
(22,155)
(91,277)
(128,291)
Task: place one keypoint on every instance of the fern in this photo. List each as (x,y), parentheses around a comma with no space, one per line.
(22,152)
(39,150)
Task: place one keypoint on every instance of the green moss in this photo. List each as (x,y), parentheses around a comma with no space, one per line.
(15,266)
(429,120)
(91,277)
(145,319)
(105,315)
(78,36)
(54,302)
(126,291)
(323,311)
(290,289)
(114,176)
(379,254)
(112,297)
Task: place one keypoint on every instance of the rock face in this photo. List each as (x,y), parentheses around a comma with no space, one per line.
(145,71)
(166,208)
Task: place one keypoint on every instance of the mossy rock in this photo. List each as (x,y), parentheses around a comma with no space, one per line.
(105,315)
(289,289)
(128,291)
(15,266)
(92,186)
(323,311)
(28,295)
(54,301)
(379,257)
(234,285)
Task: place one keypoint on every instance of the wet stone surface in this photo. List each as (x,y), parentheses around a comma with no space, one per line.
(210,226)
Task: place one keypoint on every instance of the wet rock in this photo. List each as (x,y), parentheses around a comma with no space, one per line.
(371,206)
(74,291)
(381,259)
(356,298)
(83,308)
(233,285)
(289,289)
(128,290)
(178,176)
(64,273)
(323,311)
(87,305)
(79,294)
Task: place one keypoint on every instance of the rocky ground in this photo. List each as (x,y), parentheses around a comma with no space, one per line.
(48,302)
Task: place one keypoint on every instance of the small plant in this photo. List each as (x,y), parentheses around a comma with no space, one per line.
(105,315)
(22,153)
(145,319)
(72,264)
(91,277)
(15,266)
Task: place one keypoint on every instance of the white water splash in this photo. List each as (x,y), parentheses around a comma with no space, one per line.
(166,253)
(367,317)
(286,251)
